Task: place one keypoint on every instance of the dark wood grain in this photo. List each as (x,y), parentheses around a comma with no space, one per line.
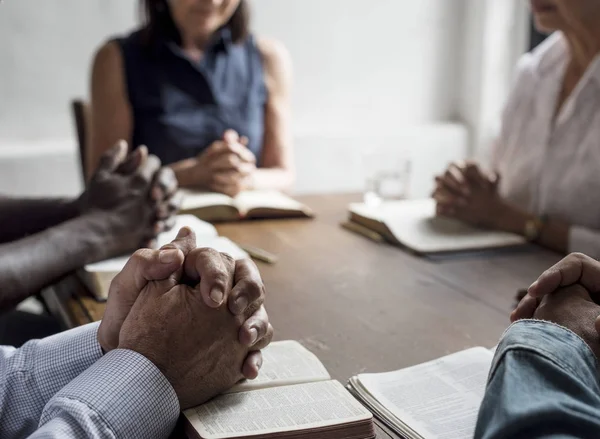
(362,306)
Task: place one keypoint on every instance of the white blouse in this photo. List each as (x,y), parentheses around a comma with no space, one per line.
(553,168)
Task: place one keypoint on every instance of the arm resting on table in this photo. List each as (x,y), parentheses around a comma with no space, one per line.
(22,217)
(123,395)
(32,263)
(31,375)
(543,383)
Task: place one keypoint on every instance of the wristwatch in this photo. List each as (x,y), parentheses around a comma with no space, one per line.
(533,228)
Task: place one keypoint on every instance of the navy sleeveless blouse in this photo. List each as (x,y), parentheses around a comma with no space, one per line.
(181,107)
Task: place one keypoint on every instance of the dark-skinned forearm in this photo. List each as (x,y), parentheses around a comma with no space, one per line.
(22,217)
(30,264)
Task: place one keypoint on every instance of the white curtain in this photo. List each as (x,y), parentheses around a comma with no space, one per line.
(496,36)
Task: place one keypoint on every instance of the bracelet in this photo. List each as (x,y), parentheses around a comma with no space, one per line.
(534,227)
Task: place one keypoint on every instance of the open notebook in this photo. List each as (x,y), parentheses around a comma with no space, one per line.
(293,397)
(98,276)
(211,206)
(413,224)
(435,400)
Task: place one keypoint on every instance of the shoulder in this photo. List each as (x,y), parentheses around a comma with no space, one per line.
(276,59)
(108,54)
(113,51)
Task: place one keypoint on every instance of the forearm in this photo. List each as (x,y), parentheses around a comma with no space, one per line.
(184,172)
(543,383)
(22,217)
(29,264)
(33,374)
(280,179)
(122,395)
(554,234)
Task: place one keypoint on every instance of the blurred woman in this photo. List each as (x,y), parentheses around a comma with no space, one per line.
(545,179)
(201,92)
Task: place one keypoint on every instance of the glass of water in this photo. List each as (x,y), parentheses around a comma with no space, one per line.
(387,175)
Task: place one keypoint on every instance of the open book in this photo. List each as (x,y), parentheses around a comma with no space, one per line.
(98,276)
(435,400)
(413,224)
(211,206)
(293,397)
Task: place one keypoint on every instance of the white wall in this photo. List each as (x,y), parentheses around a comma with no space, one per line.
(496,35)
(368,65)
(45,51)
(380,68)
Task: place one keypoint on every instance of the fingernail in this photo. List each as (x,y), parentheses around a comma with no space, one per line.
(259,363)
(253,336)
(167,256)
(183,233)
(216,295)
(241,304)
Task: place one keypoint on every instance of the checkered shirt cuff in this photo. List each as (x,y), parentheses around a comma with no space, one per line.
(128,392)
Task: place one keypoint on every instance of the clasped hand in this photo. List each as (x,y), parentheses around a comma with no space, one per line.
(131,199)
(567,294)
(197,314)
(468,194)
(227,166)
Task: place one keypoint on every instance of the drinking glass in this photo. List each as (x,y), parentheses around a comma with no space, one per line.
(387,176)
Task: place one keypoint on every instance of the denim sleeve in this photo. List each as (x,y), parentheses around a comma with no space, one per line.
(543,384)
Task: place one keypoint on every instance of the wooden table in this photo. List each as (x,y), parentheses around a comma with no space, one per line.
(362,306)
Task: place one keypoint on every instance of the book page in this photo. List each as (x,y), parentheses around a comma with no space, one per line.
(415,225)
(439,399)
(196,200)
(285,363)
(206,236)
(202,229)
(246,201)
(278,409)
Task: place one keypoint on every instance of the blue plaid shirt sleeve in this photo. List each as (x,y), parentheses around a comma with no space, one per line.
(31,375)
(123,395)
(62,387)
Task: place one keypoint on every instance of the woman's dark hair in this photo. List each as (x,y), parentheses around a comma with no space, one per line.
(159,23)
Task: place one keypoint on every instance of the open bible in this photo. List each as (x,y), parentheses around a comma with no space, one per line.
(414,225)
(293,397)
(211,206)
(98,276)
(435,400)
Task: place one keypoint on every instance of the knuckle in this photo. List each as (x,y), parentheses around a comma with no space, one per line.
(228,259)
(167,176)
(253,292)
(253,289)
(578,256)
(208,253)
(153,161)
(253,312)
(139,180)
(262,326)
(143,255)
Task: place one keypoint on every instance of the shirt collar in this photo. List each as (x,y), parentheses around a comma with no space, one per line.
(551,56)
(220,41)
